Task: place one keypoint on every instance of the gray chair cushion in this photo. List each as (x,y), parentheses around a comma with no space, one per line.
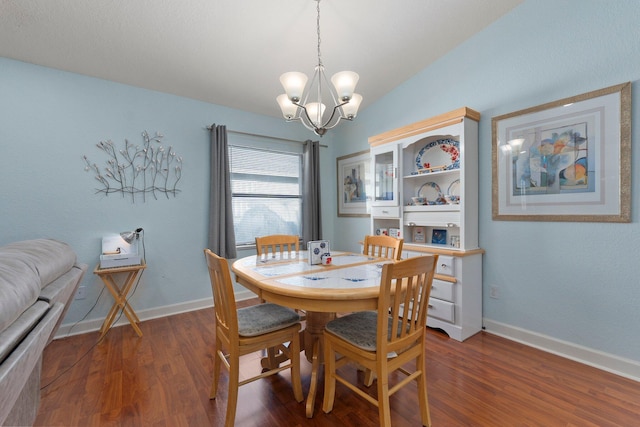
(357,328)
(263,318)
(360,329)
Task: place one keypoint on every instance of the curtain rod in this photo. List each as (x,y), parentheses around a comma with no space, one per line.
(266,136)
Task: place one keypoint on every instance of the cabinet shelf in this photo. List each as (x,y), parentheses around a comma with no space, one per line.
(432,174)
(432,208)
(430,247)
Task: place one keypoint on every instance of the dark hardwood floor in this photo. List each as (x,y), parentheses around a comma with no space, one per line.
(163,379)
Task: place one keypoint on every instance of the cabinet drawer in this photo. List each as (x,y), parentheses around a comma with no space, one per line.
(441,309)
(433,219)
(442,290)
(385,211)
(446,265)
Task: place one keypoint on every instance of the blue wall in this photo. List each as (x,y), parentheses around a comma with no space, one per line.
(50,119)
(574,282)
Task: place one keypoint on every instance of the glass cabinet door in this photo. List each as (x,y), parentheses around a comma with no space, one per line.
(385,177)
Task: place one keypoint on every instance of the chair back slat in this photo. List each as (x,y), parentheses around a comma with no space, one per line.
(404,297)
(277,243)
(223,297)
(383,247)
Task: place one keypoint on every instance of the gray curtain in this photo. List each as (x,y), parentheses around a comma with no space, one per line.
(311,220)
(222,238)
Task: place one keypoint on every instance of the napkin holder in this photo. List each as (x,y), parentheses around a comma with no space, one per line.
(316,249)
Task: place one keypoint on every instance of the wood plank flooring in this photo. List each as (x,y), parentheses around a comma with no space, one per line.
(163,379)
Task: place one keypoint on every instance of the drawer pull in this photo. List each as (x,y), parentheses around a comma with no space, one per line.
(385,211)
(443,265)
(429,306)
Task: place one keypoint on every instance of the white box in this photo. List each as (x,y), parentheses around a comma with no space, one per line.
(120,260)
(118,253)
(395,232)
(316,249)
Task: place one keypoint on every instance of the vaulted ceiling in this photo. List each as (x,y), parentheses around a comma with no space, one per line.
(232,52)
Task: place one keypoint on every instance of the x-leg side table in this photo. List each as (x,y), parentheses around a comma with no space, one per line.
(119,294)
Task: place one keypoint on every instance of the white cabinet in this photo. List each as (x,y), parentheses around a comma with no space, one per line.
(426,185)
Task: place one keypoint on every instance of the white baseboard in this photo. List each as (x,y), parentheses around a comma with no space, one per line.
(607,362)
(69,329)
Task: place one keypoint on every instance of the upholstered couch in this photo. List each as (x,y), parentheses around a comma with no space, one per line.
(38,279)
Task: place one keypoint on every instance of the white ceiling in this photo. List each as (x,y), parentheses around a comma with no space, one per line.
(232,52)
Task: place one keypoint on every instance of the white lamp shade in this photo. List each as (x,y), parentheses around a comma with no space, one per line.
(350,109)
(315,110)
(289,109)
(293,83)
(345,83)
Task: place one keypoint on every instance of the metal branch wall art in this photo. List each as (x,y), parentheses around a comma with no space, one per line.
(138,171)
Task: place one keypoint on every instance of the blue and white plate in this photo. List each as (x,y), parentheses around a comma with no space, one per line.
(454,188)
(443,153)
(431,191)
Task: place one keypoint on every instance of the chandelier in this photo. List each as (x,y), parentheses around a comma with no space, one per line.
(296,105)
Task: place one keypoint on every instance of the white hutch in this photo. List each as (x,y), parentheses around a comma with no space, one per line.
(425,185)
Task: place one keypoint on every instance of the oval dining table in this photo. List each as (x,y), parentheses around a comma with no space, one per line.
(350,283)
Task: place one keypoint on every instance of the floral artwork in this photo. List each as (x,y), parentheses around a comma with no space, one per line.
(354,182)
(553,160)
(566,160)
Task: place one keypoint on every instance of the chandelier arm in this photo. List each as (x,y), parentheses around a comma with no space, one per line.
(333,113)
(308,123)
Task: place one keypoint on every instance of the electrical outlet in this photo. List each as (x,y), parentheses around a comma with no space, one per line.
(494,291)
(81,293)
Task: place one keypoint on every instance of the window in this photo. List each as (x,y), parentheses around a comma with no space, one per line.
(266,187)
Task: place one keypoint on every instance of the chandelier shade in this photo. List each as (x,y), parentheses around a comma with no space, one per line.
(350,109)
(345,84)
(293,83)
(306,104)
(289,109)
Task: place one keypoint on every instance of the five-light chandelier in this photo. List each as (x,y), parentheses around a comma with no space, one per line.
(295,103)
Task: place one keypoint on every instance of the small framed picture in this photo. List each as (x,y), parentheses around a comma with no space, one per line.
(418,235)
(439,237)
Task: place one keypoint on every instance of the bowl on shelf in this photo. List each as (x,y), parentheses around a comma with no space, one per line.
(452,200)
(418,201)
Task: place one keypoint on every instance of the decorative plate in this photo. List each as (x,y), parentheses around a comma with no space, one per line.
(454,188)
(431,191)
(442,153)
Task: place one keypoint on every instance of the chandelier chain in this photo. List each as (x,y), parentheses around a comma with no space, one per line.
(318,28)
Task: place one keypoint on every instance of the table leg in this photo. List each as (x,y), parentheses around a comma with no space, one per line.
(119,295)
(313,384)
(126,307)
(313,345)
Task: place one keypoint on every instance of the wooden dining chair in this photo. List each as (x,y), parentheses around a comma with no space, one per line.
(277,243)
(385,340)
(248,330)
(383,246)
